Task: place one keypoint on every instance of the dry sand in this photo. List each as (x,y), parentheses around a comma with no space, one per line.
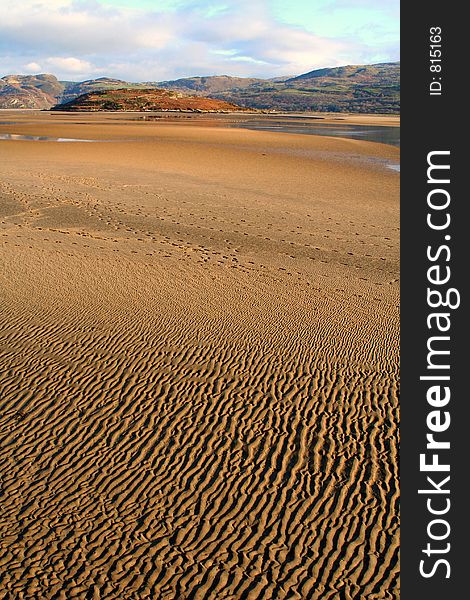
(200,363)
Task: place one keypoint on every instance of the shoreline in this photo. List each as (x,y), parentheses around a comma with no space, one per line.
(359,118)
(38,123)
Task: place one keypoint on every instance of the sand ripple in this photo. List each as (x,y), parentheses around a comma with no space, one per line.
(189,412)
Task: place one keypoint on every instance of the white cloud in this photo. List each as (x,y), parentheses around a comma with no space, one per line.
(68,64)
(83,38)
(32,67)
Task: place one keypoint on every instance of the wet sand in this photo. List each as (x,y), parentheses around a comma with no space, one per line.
(200,363)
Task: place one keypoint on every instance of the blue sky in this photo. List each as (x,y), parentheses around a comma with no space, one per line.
(151,40)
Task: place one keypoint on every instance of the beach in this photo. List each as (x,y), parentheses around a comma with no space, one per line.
(200,356)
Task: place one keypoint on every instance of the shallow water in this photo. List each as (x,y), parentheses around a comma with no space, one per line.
(307,125)
(370,133)
(286,124)
(39,138)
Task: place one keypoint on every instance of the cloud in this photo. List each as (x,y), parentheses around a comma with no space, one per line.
(32,67)
(85,38)
(68,64)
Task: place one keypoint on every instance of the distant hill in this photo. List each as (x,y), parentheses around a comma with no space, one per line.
(382,72)
(46,83)
(29,91)
(144,100)
(18,95)
(362,88)
(352,88)
(208,85)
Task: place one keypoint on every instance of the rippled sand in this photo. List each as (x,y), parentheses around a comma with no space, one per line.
(199,332)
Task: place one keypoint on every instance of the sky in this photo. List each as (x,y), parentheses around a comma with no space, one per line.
(156,40)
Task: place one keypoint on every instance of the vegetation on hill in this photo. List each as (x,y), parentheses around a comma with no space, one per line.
(144,100)
(209,85)
(369,88)
(362,88)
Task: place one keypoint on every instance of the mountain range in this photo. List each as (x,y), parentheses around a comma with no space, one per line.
(352,88)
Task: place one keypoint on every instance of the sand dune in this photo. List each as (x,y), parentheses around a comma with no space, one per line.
(200,364)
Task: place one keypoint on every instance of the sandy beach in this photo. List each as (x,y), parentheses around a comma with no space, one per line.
(200,336)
